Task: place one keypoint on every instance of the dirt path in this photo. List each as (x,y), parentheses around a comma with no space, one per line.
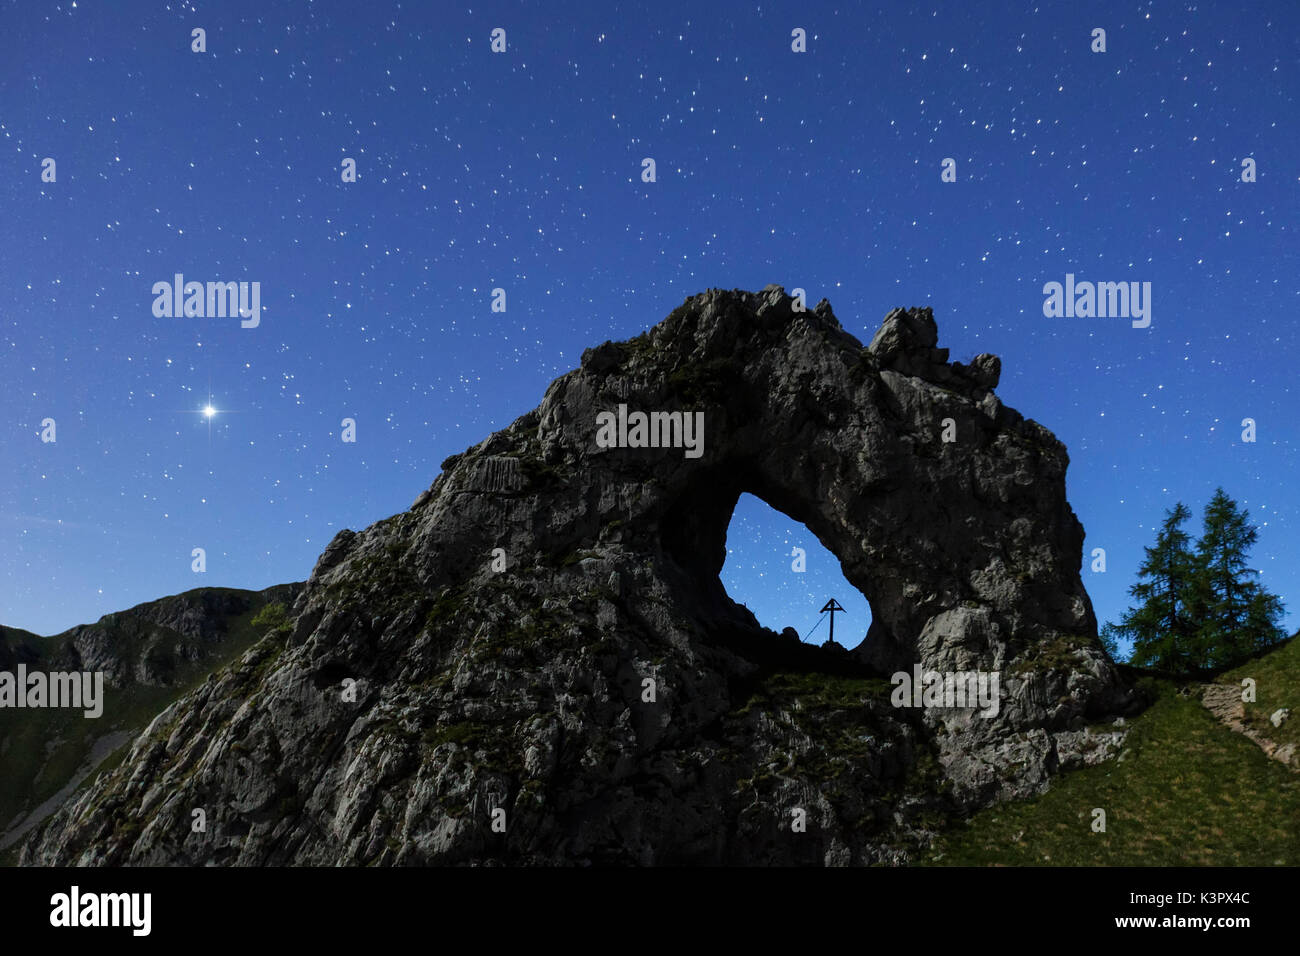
(1224,702)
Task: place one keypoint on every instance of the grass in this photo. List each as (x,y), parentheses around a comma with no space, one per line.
(1060,653)
(1277,685)
(1185,791)
(815,691)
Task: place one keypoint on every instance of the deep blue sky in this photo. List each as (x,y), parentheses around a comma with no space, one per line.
(522,170)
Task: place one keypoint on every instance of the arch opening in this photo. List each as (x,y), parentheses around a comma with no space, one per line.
(778,569)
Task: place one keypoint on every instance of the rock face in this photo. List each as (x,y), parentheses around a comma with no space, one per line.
(537,663)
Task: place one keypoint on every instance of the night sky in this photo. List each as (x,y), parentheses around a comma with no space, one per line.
(522,170)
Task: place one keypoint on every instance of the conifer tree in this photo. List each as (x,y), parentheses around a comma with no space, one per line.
(1161,627)
(1237,616)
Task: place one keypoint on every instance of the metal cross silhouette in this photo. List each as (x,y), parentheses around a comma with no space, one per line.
(832,605)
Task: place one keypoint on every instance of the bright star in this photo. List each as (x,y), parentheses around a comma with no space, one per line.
(208,411)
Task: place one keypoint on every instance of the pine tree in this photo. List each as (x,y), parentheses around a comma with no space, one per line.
(1161,628)
(1237,616)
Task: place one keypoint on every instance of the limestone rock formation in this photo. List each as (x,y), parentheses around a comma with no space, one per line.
(537,663)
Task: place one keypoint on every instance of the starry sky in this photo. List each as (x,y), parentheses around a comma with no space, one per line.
(522,171)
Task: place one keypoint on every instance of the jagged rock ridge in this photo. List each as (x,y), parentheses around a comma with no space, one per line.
(524,689)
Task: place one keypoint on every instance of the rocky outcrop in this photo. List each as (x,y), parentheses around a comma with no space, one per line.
(537,663)
(1225,703)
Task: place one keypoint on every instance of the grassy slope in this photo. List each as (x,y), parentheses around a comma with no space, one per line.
(1277,685)
(1185,791)
(41,750)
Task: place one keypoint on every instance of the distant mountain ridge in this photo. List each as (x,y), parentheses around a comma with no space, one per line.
(149,654)
(139,644)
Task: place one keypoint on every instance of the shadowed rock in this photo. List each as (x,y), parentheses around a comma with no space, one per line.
(602,688)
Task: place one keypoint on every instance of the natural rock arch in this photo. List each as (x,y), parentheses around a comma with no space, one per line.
(499,634)
(967,550)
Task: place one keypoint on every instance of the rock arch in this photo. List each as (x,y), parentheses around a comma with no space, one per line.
(476,680)
(967,550)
